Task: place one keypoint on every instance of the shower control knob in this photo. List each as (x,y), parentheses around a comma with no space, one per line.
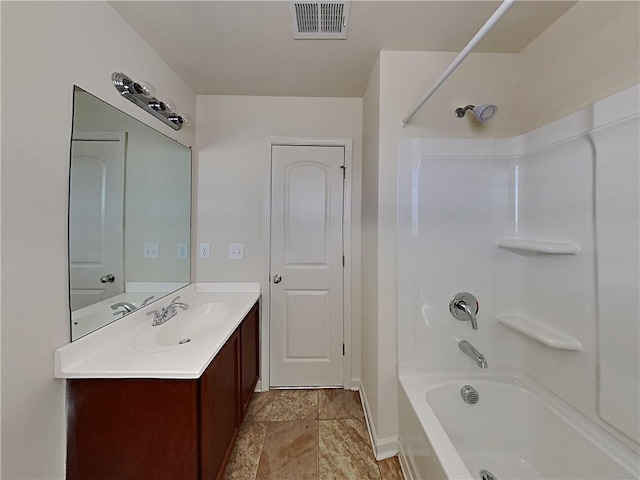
(108,278)
(464,307)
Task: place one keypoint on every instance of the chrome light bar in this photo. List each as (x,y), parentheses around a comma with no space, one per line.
(135,92)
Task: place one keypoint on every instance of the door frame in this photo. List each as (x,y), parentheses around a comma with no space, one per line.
(265,328)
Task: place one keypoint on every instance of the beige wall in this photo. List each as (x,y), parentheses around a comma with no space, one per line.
(46,48)
(589,53)
(370,160)
(233,164)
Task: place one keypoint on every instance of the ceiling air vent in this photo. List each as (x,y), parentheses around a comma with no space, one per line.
(319,20)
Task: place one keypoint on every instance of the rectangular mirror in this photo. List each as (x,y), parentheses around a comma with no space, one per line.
(129,214)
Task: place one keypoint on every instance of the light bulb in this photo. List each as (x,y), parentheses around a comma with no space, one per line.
(186,120)
(171,105)
(148,89)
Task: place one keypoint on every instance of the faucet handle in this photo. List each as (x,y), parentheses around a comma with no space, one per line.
(157,315)
(464,307)
(145,301)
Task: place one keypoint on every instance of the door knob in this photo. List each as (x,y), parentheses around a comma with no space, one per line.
(108,278)
(277,279)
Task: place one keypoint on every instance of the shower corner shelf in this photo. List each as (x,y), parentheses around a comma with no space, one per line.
(539,332)
(523,246)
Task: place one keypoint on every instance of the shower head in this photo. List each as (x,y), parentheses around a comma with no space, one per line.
(481,112)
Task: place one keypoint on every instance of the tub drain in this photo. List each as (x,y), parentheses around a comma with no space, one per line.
(183,341)
(487,475)
(469,395)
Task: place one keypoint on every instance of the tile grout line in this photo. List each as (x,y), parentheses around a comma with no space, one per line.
(264,439)
(318,438)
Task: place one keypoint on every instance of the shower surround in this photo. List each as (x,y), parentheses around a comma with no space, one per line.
(543,229)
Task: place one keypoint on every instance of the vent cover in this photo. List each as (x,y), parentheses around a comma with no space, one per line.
(319,20)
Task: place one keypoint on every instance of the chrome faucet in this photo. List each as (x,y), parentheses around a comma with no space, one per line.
(128,307)
(161,316)
(145,301)
(470,350)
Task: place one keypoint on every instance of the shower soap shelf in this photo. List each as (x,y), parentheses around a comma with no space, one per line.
(537,247)
(539,332)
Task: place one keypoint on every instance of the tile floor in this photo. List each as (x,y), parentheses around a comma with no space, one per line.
(306,434)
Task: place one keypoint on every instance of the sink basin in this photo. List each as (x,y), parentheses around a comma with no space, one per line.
(188,326)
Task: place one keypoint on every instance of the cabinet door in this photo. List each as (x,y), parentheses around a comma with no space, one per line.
(250,362)
(132,429)
(220,400)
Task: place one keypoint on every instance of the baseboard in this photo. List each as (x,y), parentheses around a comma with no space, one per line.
(386,447)
(383,448)
(258,386)
(355,384)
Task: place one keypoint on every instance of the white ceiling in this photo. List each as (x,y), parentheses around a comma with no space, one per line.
(247,47)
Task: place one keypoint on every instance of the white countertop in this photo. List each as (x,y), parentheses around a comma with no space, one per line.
(111,351)
(92,317)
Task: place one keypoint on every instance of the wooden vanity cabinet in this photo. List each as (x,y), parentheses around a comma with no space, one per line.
(136,429)
(219,413)
(250,351)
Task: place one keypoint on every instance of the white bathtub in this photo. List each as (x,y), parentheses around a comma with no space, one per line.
(517,430)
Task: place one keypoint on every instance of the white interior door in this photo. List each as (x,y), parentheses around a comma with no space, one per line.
(96,217)
(306,295)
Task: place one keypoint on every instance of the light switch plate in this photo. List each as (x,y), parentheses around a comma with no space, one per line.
(204,250)
(183,250)
(151,250)
(236,251)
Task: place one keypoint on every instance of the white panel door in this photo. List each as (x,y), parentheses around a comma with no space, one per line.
(307,189)
(96,217)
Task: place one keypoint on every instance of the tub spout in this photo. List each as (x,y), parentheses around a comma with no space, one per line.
(470,350)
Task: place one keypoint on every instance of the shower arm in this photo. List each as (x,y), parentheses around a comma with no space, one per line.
(497,15)
(462,110)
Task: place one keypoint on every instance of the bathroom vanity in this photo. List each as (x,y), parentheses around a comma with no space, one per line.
(145,405)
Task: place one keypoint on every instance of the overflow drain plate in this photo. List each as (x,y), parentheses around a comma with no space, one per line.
(183,341)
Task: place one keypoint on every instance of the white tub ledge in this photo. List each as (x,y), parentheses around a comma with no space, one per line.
(539,332)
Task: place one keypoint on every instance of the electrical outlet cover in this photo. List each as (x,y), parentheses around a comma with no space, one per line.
(151,250)
(183,250)
(236,251)
(204,250)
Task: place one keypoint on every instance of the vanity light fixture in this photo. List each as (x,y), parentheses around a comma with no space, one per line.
(143,95)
